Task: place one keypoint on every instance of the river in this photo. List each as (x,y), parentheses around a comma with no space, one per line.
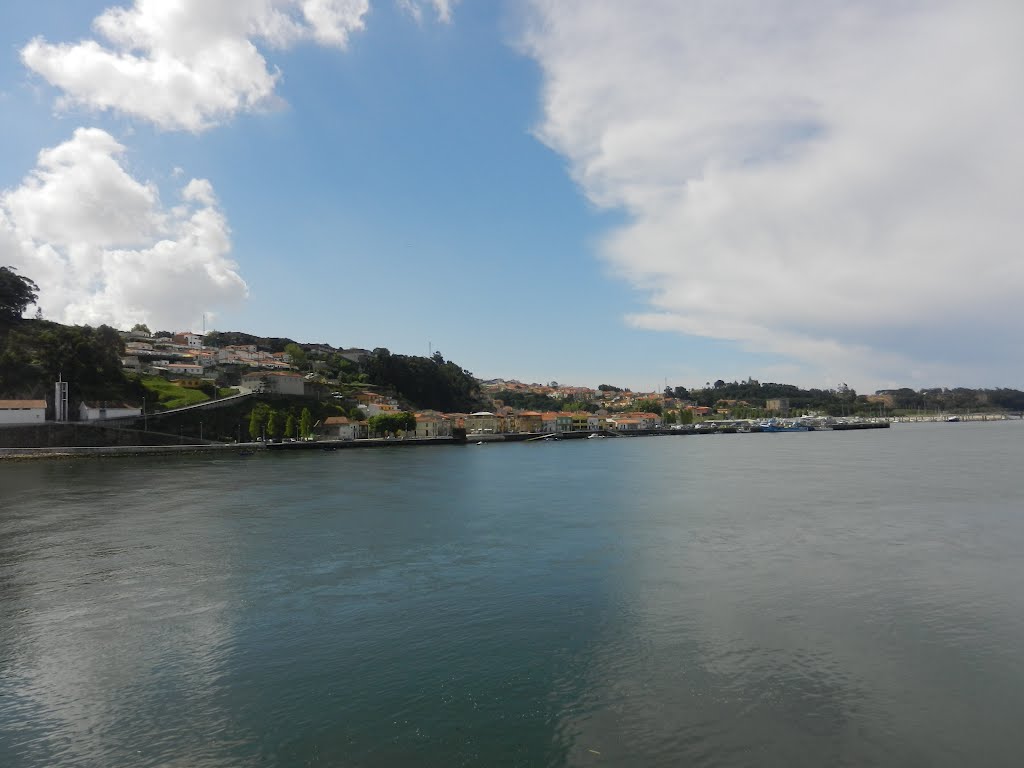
(814,599)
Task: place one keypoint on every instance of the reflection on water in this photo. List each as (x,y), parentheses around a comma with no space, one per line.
(813,599)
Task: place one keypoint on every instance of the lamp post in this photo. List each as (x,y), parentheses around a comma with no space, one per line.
(145,423)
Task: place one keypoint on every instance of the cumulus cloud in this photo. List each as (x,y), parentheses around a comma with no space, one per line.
(188,64)
(102,247)
(836,184)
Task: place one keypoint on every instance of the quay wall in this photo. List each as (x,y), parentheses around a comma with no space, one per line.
(61,452)
(84,435)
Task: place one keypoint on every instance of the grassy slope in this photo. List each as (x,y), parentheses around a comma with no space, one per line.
(170,395)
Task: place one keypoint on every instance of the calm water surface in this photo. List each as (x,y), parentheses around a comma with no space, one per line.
(819,599)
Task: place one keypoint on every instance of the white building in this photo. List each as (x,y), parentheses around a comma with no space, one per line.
(22,411)
(340,428)
(100,410)
(188,339)
(184,369)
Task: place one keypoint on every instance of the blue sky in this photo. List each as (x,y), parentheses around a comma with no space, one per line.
(547,191)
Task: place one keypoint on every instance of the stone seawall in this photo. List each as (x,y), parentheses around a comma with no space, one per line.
(64,452)
(60,435)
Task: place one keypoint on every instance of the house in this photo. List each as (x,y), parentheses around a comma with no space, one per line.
(433,425)
(779,405)
(187,339)
(528,421)
(22,411)
(275,382)
(373,409)
(107,409)
(625,424)
(649,420)
(579,421)
(340,428)
(549,422)
(182,369)
(484,422)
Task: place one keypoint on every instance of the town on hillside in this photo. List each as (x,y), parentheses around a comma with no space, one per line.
(298,391)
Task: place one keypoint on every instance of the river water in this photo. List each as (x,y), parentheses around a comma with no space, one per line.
(815,599)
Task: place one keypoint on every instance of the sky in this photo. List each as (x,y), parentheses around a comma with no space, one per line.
(665,192)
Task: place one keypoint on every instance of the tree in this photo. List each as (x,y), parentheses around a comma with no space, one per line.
(648,406)
(377,424)
(16,294)
(297,355)
(392,423)
(686,416)
(289,426)
(255,423)
(141,328)
(272,424)
(305,423)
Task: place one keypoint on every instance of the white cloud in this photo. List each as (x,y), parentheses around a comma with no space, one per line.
(188,64)
(442,9)
(103,249)
(811,179)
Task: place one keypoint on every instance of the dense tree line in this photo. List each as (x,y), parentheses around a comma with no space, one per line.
(425,382)
(33,353)
(754,392)
(844,400)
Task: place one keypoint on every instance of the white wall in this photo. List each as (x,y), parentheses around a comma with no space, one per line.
(22,416)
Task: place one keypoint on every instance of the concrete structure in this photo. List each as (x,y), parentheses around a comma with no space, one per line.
(779,405)
(100,410)
(22,411)
(275,382)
